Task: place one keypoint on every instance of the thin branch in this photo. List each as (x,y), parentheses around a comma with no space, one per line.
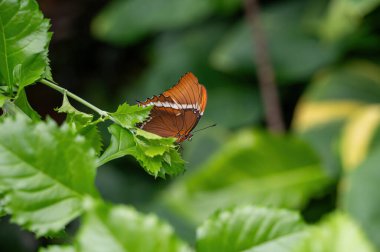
(265,72)
(62,90)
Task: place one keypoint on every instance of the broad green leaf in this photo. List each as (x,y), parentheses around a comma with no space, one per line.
(361,195)
(157,155)
(128,116)
(45,172)
(294,53)
(253,167)
(157,15)
(249,228)
(56,248)
(24,39)
(122,229)
(22,103)
(343,17)
(336,233)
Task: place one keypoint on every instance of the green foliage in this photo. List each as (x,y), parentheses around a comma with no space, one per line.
(250,228)
(157,155)
(295,53)
(128,116)
(360,195)
(43,195)
(121,228)
(82,123)
(261,168)
(24,39)
(337,233)
(330,105)
(158,15)
(22,103)
(76,119)
(58,249)
(344,17)
(47,172)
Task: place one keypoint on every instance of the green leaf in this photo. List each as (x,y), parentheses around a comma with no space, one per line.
(92,135)
(3,99)
(361,197)
(157,155)
(121,144)
(74,118)
(23,104)
(128,116)
(56,248)
(338,232)
(295,54)
(249,228)
(260,168)
(45,172)
(343,17)
(24,39)
(83,123)
(120,228)
(158,15)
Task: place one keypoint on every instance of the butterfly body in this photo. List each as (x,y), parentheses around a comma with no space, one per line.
(177,111)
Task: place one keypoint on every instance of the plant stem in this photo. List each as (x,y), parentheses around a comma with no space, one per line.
(62,90)
(265,71)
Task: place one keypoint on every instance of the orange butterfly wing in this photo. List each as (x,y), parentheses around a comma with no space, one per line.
(177,111)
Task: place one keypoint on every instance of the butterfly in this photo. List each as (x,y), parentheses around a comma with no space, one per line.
(177,111)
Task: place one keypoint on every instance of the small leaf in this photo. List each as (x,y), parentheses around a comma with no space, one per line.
(83,123)
(337,233)
(120,229)
(75,118)
(157,155)
(121,144)
(23,104)
(128,116)
(250,228)
(45,172)
(92,135)
(24,39)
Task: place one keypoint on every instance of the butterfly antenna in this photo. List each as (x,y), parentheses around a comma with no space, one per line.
(210,126)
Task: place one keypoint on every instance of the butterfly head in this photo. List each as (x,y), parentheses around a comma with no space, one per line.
(184,137)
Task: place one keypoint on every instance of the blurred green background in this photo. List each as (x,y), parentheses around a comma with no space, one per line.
(326,58)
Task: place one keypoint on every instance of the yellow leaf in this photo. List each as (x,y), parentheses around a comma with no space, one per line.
(357,135)
(311,114)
